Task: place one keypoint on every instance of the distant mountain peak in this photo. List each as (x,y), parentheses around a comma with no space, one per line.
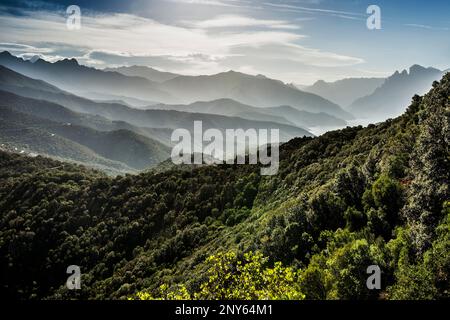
(72,62)
(392,97)
(232,72)
(344,91)
(224,100)
(416,68)
(398,75)
(6,54)
(138,67)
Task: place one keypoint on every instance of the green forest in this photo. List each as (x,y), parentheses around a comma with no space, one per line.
(360,196)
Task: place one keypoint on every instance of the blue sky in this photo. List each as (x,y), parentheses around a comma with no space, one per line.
(297,41)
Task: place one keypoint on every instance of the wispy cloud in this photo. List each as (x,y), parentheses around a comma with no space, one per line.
(227,21)
(423,26)
(18,47)
(218,44)
(302,9)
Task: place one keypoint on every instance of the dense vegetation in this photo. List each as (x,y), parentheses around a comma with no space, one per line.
(232,278)
(340,202)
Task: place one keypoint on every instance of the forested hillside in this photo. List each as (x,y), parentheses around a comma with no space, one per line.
(339,203)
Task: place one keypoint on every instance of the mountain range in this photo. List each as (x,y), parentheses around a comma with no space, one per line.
(282,114)
(68,75)
(140,137)
(144,72)
(391,98)
(137,138)
(252,90)
(42,127)
(344,92)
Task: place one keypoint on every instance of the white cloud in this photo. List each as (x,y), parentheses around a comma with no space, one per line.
(301,9)
(423,26)
(296,53)
(27,52)
(227,21)
(191,49)
(18,47)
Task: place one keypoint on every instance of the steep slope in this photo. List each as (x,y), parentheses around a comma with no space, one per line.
(123,146)
(251,90)
(19,133)
(391,98)
(55,112)
(50,111)
(10,78)
(340,202)
(344,92)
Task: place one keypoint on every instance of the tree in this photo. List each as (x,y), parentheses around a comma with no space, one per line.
(430,166)
(229,277)
(347,270)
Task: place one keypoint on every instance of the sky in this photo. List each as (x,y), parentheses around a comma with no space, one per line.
(295,41)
